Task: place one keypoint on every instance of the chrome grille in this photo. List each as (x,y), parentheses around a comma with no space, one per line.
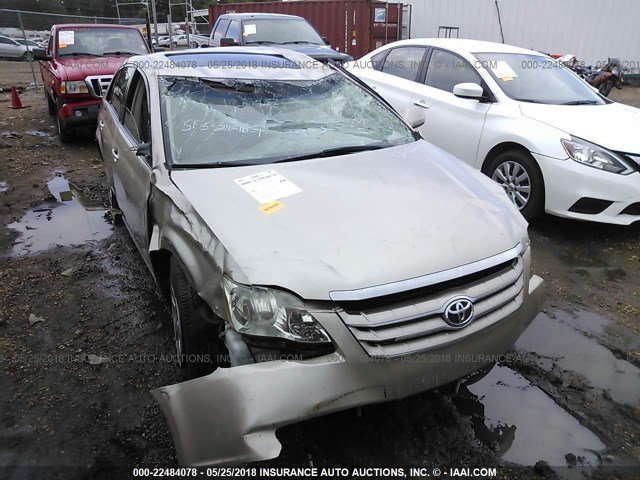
(98,85)
(417,326)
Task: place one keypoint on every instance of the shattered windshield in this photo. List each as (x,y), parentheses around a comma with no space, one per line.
(220,122)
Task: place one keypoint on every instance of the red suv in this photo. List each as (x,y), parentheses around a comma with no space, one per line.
(78,66)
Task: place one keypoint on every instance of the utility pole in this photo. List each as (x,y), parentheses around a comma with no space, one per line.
(155,20)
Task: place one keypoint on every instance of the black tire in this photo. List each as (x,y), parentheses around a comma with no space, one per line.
(51,105)
(534,204)
(605,88)
(27,57)
(197,341)
(114,209)
(64,132)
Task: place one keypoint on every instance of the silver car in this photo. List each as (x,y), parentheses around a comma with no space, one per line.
(13,48)
(317,254)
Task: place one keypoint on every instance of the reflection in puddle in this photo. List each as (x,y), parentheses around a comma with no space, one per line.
(568,349)
(69,220)
(37,133)
(4,186)
(521,423)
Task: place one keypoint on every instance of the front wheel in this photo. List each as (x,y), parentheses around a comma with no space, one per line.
(196,340)
(518,173)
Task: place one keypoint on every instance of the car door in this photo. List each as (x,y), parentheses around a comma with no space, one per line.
(132,172)
(452,123)
(9,48)
(219,31)
(394,74)
(109,117)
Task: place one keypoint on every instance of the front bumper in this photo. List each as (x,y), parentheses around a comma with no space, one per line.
(80,113)
(231,415)
(566,182)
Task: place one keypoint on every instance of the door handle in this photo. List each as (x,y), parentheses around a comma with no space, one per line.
(114,152)
(420,103)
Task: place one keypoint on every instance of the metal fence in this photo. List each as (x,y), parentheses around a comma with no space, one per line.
(21,31)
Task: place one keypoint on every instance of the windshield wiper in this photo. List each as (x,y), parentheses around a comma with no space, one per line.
(581,102)
(530,100)
(300,42)
(233,163)
(333,152)
(120,52)
(79,54)
(262,42)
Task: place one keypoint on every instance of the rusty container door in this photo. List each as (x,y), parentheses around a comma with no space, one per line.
(386,24)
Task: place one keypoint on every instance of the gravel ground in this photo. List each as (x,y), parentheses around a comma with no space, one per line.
(84,336)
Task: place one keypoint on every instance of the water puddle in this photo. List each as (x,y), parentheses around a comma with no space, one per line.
(522,424)
(68,219)
(37,133)
(4,186)
(562,346)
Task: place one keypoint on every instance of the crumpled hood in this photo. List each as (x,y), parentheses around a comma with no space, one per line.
(79,68)
(613,126)
(320,52)
(360,220)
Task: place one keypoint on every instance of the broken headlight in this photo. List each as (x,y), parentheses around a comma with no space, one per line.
(265,312)
(594,156)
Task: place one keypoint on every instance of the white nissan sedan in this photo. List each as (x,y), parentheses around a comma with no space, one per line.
(550,140)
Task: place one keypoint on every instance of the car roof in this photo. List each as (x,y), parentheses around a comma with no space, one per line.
(235,63)
(93,25)
(271,16)
(465,45)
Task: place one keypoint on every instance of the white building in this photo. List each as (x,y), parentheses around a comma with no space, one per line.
(590,29)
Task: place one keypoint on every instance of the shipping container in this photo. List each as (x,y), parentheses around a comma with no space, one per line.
(355,27)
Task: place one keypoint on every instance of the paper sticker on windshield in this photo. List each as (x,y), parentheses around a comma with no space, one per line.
(503,71)
(249,29)
(267,186)
(65,37)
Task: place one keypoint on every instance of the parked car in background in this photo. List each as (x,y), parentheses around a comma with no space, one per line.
(377,250)
(13,49)
(287,31)
(30,44)
(78,66)
(164,41)
(534,127)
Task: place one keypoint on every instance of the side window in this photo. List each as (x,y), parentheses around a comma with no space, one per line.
(404,62)
(376,60)
(5,41)
(118,89)
(136,113)
(446,70)
(221,29)
(234,31)
(50,44)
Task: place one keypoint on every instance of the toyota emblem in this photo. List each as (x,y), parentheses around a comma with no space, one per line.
(459,312)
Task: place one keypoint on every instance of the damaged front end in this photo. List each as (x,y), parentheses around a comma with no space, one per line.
(230,416)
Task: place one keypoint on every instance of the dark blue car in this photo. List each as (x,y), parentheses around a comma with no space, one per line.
(272,29)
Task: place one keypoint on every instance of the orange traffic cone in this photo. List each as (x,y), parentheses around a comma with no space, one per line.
(15,98)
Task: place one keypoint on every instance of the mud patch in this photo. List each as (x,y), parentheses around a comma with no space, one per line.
(66,218)
(522,424)
(563,348)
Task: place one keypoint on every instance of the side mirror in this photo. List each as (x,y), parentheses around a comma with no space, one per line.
(414,116)
(228,42)
(40,54)
(325,40)
(468,90)
(144,150)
